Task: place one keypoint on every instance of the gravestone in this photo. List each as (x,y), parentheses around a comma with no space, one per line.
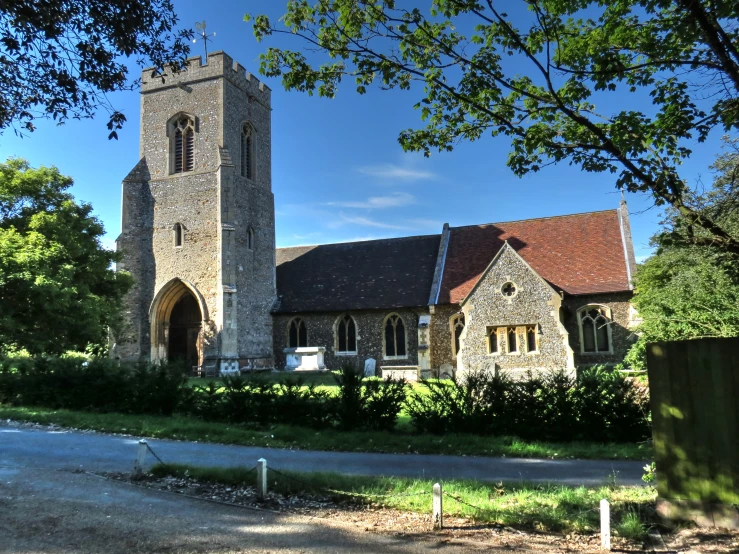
(446,371)
(369,367)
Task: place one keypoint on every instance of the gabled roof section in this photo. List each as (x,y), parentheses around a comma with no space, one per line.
(503,249)
(367,275)
(577,254)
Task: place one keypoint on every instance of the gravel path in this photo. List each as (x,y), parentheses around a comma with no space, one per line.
(29,446)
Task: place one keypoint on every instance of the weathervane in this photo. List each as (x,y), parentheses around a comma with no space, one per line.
(200,26)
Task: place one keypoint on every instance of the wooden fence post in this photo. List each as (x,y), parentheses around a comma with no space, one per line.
(438,514)
(138,465)
(261,478)
(605,525)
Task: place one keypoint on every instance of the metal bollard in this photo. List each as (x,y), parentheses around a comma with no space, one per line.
(438,515)
(138,465)
(605,525)
(261,478)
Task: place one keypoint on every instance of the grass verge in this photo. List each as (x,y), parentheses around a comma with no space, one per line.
(546,508)
(286,436)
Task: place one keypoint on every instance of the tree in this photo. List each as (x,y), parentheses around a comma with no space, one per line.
(59,59)
(685,291)
(537,80)
(57,289)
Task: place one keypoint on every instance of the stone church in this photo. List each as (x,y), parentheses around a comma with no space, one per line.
(198,236)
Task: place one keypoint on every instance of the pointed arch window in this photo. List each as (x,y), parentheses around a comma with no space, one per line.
(183,144)
(178,234)
(595,330)
(512,340)
(250,239)
(346,335)
(297,334)
(247,151)
(456,323)
(395,346)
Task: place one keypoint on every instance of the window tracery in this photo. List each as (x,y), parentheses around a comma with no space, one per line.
(457,326)
(595,329)
(395,346)
(346,335)
(297,334)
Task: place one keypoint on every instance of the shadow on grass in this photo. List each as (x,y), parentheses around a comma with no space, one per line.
(533,507)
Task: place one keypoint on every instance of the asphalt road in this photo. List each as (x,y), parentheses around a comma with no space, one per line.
(21,446)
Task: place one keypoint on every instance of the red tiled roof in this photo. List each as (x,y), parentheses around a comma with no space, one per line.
(579,254)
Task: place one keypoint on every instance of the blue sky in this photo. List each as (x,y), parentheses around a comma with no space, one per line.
(339,173)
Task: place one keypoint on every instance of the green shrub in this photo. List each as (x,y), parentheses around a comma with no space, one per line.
(257,401)
(599,406)
(102,385)
(367,403)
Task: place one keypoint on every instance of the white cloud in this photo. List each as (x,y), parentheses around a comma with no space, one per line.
(394,200)
(418,222)
(396,173)
(368,222)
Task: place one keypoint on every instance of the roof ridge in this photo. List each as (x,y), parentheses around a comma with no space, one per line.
(536,218)
(358,241)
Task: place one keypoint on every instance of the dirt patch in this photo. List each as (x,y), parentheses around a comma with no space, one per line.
(703,540)
(374,518)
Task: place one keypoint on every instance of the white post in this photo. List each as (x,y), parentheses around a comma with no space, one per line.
(138,465)
(438,515)
(261,478)
(605,525)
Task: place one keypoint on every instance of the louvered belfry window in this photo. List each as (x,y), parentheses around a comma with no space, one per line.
(184,145)
(247,152)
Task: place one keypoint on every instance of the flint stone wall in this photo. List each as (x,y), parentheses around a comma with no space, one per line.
(214,204)
(621,333)
(534,302)
(370,337)
(441,336)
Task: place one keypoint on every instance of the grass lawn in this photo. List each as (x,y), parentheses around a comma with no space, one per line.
(286,436)
(531,506)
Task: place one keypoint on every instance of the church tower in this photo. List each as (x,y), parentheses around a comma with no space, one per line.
(198,226)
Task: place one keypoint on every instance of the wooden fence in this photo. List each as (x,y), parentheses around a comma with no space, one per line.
(694,387)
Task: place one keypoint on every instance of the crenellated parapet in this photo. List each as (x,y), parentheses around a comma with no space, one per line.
(217,65)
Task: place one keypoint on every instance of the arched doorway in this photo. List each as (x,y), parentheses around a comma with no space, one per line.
(177,315)
(184,326)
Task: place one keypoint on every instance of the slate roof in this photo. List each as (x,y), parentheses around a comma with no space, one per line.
(578,254)
(375,274)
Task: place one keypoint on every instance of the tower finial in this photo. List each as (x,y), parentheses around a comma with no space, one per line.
(200,26)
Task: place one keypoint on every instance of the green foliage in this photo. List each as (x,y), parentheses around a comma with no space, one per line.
(262,402)
(98,385)
(536,79)
(181,427)
(57,289)
(368,403)
(685,291)
(599,406)
(650,473)
(59,59)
